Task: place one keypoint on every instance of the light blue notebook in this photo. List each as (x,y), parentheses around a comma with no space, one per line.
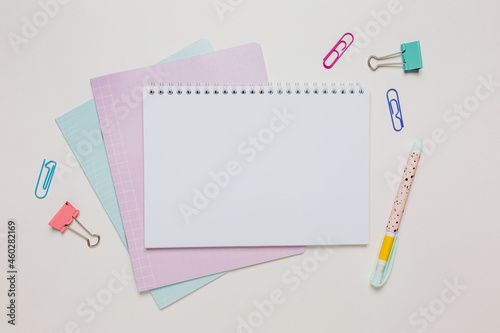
(82,131)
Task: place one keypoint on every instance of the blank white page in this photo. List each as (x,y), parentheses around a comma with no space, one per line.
(252,169)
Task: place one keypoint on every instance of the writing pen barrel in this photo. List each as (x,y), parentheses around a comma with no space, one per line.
(404,188)
(389,242)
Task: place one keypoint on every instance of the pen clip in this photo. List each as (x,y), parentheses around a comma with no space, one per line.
(388,267)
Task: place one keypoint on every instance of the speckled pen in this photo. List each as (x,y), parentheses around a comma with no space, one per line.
(390,238)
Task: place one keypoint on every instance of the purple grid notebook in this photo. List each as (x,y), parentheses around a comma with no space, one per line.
(118,100)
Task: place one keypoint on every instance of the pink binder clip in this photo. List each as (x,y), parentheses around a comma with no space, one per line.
(344,48)
(65,217)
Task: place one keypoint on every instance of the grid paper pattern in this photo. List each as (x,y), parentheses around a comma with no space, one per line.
(92,157)
(126,196)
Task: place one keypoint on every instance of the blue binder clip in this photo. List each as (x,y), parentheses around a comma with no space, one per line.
(396,117)
(51,168)
(410,52)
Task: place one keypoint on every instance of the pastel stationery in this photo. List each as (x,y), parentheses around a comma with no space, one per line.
(42,189)
(256,166)
(118,100)
(63,219)
(395,109)
(411,54)
(344,43)
(82,131)
(389,244)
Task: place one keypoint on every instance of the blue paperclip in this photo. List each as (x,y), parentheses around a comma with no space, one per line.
(51,168)
(398,115)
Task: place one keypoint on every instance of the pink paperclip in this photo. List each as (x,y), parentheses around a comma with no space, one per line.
(341,40)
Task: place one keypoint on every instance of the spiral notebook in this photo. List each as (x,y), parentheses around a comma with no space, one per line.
(256,166)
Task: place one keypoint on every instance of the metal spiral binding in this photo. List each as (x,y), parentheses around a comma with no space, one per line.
(287,89)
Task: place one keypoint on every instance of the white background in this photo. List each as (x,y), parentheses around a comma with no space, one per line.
(451,228)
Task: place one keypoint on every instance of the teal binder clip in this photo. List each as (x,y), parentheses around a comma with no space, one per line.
(412,58)
(378,279)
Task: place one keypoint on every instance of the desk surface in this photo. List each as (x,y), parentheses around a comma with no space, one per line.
(445,278)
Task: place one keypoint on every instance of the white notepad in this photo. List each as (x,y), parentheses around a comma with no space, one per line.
(256,166)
